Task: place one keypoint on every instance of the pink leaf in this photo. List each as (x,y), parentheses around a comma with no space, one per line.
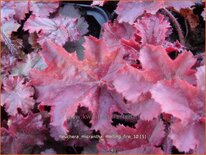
(129,11)
(21,9)
(114,32)
(144,149)
(68,83)
(200,76)
(43,9)
(188,137)
(100,61)
(146,108)
(8,23)
(162,66)
(99,2)
(59,29)
(131,83)
(177,6)
(108,102)
(175,46)
(185,102)
(153,29)
(7,10)
(40,9)
(70,11)
(17,94)
(9,26)
(22,133)
(145,133)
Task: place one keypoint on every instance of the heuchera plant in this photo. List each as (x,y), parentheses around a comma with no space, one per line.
(127,91)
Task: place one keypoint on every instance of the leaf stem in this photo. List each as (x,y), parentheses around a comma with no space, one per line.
(9,44)
(176,24)
(167,146)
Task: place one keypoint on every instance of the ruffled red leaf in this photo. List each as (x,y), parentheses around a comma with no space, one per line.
(122,138)
(134,84)
(131,83)
(68,83)
(114,32)
(40,9)
(22,133)
(161,66)
(188,137)
(8,24)
(43,9)
(59,29)
(153,29)
(146,108)
(186,102)
(129,11)
(17,94)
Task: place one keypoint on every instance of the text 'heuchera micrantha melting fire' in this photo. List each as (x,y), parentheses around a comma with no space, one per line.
(127,72)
